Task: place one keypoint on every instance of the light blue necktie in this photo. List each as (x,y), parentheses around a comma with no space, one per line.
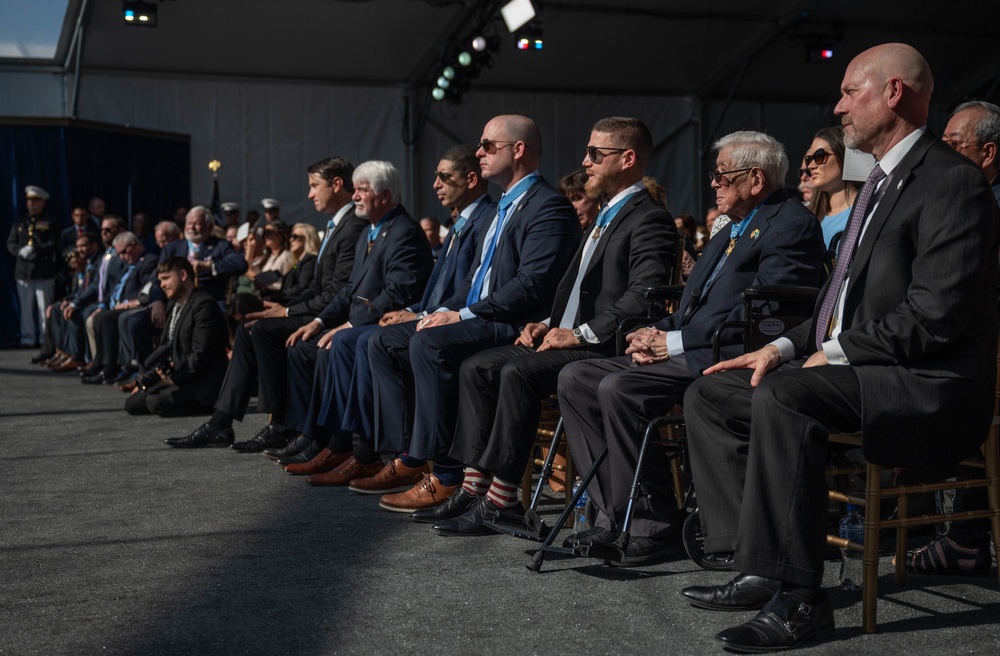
(116,296)
(326,238)
(477,283)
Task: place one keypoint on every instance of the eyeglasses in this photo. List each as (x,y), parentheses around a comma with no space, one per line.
(719,177)
(805,173)
(597,153)
(299,237)
(820,157)
(958,146)
(123,250)
(488,144)
(446,178)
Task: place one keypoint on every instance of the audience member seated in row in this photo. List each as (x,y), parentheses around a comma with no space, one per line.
(573,188)
(80,310)
(773,240)
(265,270)
(259,360)
(304,244)
(432,230)
(522,255)
(67,347)
(194,349)
(832,196)
(901,347)
(632,247)
(341,401)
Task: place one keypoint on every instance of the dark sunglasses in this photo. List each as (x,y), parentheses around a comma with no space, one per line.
(820,157)
(597,154)
(295,236)
(488,145)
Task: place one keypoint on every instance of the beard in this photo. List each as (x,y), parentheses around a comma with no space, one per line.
(360,211)
(600,186)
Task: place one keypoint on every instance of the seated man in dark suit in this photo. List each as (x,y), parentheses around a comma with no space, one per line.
(630,247)
(259,360)
(521,257)
(341,403)
(138,274)
(83,259)
(773,240)
(901,347)
(213,259)
(82,224)
(391,266)
(196,337)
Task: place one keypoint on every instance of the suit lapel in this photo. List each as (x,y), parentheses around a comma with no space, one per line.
(602,243)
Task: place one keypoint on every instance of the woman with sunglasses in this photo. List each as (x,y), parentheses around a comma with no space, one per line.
(833,196)
(267,269)
(304,247)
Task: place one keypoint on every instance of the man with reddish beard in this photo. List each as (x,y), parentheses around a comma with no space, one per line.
(630,247)
(773,240)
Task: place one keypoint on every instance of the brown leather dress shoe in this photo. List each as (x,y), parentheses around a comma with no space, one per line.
(70,364)
(428,493)
(394,477)
(127,386)
(351,469)
(325,461)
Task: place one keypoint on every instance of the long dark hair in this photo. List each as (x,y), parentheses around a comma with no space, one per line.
(820,203)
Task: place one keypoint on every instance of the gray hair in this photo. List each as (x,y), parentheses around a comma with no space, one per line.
(988,128)
(757,149)
(381,176)
(168,227)
(125,238)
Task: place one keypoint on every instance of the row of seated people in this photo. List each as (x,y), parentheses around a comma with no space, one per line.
(409,362)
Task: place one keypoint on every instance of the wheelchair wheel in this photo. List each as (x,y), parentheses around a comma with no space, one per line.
(693,537)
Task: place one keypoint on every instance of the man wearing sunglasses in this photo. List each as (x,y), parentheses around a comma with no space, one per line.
(522,254)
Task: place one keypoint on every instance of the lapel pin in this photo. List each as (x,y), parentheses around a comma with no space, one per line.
(755,234)
(899,186)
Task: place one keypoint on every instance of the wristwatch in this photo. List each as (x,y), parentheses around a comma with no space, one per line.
(579,335)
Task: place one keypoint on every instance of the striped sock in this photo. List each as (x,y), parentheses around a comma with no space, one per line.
(476,482)
(502,494)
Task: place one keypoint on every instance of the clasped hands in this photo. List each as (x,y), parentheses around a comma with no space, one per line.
(647,346)
(550,338)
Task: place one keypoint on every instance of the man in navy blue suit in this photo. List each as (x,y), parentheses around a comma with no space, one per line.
(340,402)
(520,259)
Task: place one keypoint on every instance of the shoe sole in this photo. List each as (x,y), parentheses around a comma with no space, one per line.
(388,490)
(214,445)
(823,634)
(397,509)
(725,609)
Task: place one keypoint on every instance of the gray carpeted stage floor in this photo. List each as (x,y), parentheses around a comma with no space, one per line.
(113,543)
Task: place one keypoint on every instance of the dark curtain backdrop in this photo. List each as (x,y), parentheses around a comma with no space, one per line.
(132,170)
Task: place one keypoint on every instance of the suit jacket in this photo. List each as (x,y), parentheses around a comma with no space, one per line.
(198,351)
(637,250)
(68,236)
(144,272)
(920,312)
(116,267)
(391,276)
(296,281)
(227,263)
(536,246)
(454,263)
(781,245)
(42,231)
(334,270)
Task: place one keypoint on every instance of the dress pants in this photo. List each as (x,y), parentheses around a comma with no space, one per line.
(106,331)
(128,351)
(611,402)
(259,363)
(170,401)
(500,398)
(34,296)
(758,457)
(346,404)
(427,360)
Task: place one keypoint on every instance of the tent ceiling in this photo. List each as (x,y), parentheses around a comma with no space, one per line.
(707,48)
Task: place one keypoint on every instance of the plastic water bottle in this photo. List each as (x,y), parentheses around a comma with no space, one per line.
(851,568)
(580,512)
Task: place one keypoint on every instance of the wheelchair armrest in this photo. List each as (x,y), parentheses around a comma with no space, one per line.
(786,293)
(668,293)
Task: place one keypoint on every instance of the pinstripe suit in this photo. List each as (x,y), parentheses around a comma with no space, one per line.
(919,329)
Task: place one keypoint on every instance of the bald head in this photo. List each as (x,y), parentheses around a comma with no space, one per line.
(513,150)
(885,96)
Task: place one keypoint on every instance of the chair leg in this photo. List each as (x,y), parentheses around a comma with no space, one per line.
(993,492)
(902,537)
(526,483)
(873,489)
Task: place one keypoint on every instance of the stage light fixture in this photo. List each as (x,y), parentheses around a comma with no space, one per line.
(517,13)
(479,43)
(464,58)
(437,93)
(448,73)
(140,14)
(819,51)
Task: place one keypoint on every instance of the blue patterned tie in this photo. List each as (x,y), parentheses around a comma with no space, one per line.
(477,283)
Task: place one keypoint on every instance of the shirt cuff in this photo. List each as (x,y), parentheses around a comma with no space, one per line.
(320,322)
(214,272)
(588,334)
(785,348)
(466,314)
(834,352)
(675,343)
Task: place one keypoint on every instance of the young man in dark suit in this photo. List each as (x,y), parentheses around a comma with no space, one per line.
(773,240)
(196,336)
(630,247)
(901,346)
(520,259)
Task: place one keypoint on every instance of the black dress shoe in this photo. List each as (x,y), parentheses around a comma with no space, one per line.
(41,357)
(718,562)
(745,592)
(289,449)
(98,378)
(642,551)
(305,455)
(471,521)
(265,438)
(203,436)
(122,376)
(784,623)
(456,505)
(599,533)
(89,371)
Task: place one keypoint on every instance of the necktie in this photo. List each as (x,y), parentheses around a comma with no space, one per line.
(102,273)
(735,232)
(79,231)
(117,295)
(437,293)
(326,239)
(174,315)
(848,244)
(477,283)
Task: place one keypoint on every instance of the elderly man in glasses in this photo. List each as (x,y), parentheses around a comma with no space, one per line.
(772,239)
